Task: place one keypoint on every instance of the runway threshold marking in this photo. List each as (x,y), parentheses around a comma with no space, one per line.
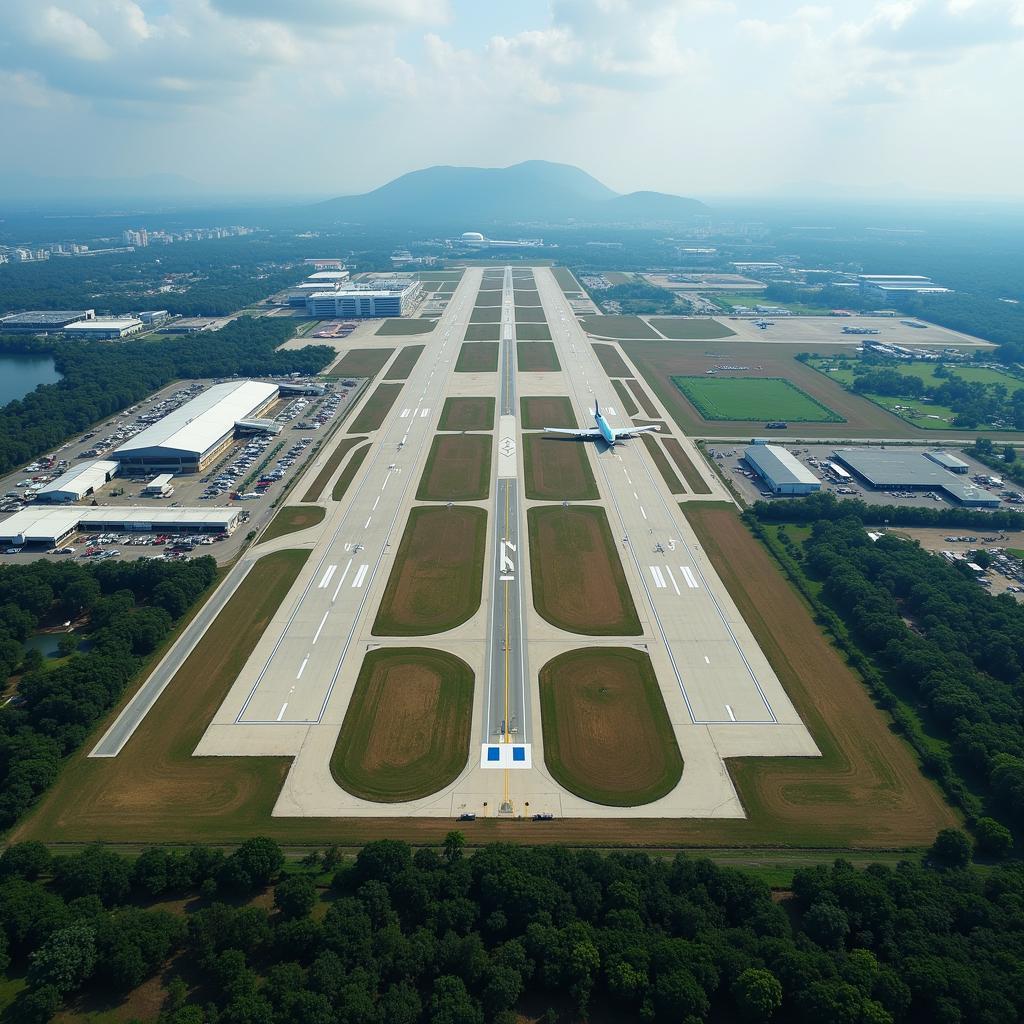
(360,576)
(405,413)
(331,570)
(691,580)
(659,579)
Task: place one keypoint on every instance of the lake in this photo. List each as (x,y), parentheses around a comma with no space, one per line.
(21,374)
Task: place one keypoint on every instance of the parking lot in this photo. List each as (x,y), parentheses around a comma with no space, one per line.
(254,471)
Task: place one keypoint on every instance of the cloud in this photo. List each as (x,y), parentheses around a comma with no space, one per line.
(350,13)
(60,30)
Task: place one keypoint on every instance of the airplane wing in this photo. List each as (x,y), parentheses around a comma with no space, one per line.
(630,431)
(574,433)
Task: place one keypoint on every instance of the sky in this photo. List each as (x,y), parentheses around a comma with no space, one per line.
(706,98)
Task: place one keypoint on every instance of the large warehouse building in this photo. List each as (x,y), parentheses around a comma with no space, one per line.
(887,469)
(196,434)
(782,472)
(45,319)
(78,482)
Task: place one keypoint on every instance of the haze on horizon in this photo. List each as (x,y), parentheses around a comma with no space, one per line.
(907,98)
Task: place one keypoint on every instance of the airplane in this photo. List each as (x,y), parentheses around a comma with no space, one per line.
(603,431)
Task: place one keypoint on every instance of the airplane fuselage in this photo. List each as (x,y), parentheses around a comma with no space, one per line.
(606,432)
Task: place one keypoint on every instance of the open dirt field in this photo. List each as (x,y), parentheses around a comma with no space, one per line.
(458,468)
(617,326)
(406,733)
(361,362)
(477,357)
(543,411)
(658,361)
(557,469)
(467,414)
(404,362)
(611,361)
(483,332)
(679,329)
(155,790)
(691,475)
(578,582)
(534,356)
(346,476)
(607,735)
(660,459)
(435,583)
(866,787)
(377,406)
(341,449)
(532,332)
(291,519)
(404,327)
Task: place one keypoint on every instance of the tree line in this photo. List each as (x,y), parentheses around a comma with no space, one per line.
(439,937)
(125,610)
(922,627)
(101,379)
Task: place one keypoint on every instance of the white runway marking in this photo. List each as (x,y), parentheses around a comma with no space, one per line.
(659,579)
(732,717)
(611,409)
(424,413)
(357,580)
(367,523)
(302,667)
(642,512)
(405,412)
(280,713)
(331,569)
(334,596)
(707,659)
(691,580)
(376,503)
(672,578)
(316,635)
(637,496)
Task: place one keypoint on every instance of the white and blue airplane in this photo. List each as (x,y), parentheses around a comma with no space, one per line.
(603,431)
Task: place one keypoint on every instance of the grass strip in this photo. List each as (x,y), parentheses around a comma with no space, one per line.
(377,406)
(343,447)
(291,519)
(346,476)
(661,461)
(696,483)
(404,362)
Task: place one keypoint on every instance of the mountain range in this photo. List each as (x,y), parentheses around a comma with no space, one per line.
(533,192)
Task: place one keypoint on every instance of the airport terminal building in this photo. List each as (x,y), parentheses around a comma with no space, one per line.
(364,303)
(195,435)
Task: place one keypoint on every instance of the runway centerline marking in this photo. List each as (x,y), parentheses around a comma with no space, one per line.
(302,667)
(732,717)
(367,523)
(316,635)
(344,573)
(280,713)
(642,512)
(672,578)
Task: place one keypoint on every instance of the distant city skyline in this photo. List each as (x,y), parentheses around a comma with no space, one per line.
(696,97)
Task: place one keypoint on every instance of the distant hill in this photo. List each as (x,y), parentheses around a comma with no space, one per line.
(532,192)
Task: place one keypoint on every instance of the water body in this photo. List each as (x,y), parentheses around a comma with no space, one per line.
(46,644)
(21,374)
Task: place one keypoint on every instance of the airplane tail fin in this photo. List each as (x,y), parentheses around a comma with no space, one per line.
(597,408)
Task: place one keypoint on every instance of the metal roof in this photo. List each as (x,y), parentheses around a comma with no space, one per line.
(44,524)
(778,465)
(82,478)
(887,468)
(947,460)
(200,424)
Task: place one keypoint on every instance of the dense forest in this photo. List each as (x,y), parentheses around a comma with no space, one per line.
(926,631)
(123,610)
(639,296)
(396,937)
(101,379)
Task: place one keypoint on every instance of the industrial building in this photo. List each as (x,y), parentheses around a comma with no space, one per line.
(78,482)
(154,316)
(322,280)
(884,285)
(363,303)
(198,432)
(45,319)
(188,325)
(159,486)
(51,527)
(901,469)
(106,328)
(947,461)
(782,472)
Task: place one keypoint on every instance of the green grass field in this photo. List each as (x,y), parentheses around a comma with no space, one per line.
(483,332)
(532,332)
(341,449)
(399,328)
(753,398)
(346,476)
(547,411)
(406,732)
(404,362)
(477,357)
(458,468)
(687,330)
(467,414)
(660,459)
(727,300)
(377,406)
(565,279)
(291,519)
(557,469)
(361,362)
(530,315)
(537,356)
(485,315)
(617,326)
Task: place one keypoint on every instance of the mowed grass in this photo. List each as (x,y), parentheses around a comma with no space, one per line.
(458,468)
(542,411)
(467,414)
(404,362)
(753,398)
(347,475)
(691,474)
(679,329)
(557,469)
(533,332)
(611,361)
(402,328)
(617,326)
(578,582)
(362,362)
(565,279)
(537,356)
(482,332)
(341,449)
(660,459)
(155,791)
(607,734)
(436,580)
(629,407)
(489,298)
(377,406)
(642,397)
(291,519)
(530,315)
(477,357)
(485,315)
(407,728)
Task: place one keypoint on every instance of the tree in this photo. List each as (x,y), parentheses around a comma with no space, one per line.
(1009,453)
(951,849)
(758,994)
(24,860)
(253,865)
(994,838)
(295,896)
(454,843)
(826,924)
(65,960)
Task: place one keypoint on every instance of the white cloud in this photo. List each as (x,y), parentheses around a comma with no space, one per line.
(345,13)
(60,30)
